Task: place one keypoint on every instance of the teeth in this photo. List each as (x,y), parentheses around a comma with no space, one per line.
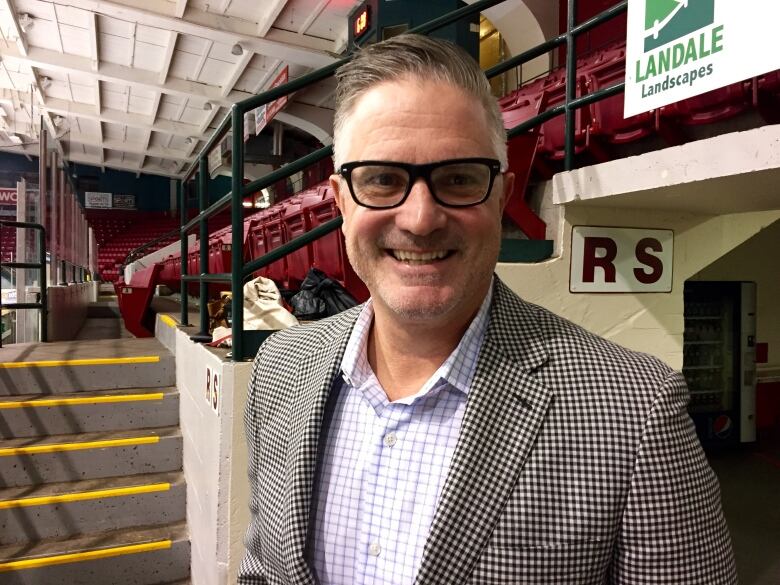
(407,256)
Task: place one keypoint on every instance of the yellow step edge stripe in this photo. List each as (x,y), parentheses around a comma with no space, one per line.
(88,495)
(143,359)
(83,400)
(91,555)
(168,320)
(57,447)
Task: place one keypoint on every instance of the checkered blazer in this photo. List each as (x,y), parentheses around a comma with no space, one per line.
(577,462)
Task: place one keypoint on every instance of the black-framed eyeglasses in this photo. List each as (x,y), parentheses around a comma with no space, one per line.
(461,182)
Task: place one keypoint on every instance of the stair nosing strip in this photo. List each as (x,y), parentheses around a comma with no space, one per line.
(48,402)
(90,555)
(86,495)
(59,447)
(146,359)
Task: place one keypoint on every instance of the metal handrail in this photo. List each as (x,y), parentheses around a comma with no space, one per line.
(235,121)
(43,304)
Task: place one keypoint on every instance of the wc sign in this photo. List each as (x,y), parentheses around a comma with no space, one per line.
(620,260)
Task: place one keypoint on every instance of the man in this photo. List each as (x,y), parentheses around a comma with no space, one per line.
(447,431)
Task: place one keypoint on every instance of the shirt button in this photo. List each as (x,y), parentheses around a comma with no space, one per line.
(390,439)
(374,549)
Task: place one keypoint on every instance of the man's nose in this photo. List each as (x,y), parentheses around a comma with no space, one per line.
(420,214)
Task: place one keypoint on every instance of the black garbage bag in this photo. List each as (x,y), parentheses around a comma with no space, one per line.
(320,296)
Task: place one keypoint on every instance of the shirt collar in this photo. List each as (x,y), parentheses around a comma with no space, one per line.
(457,370)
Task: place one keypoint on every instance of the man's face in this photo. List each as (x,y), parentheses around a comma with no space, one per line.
(421,261)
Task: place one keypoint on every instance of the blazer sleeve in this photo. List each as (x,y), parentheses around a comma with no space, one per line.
(251,570)
(673,529)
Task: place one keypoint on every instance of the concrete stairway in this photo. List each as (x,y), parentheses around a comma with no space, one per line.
(91,488)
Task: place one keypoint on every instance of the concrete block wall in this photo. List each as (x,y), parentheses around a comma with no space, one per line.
(68,309)
(215,456)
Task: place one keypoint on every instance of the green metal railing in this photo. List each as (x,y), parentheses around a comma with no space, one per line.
(42,304)
(235,122)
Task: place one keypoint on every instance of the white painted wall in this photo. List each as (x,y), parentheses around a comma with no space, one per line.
(68,309)
(215,461)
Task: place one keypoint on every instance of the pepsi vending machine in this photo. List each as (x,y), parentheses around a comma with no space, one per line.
(719,360)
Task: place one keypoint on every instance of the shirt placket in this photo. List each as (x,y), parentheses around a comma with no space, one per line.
(377,531)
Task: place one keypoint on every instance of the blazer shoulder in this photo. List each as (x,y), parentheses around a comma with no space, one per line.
(529,326)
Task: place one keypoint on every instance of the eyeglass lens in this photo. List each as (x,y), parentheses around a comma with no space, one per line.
(454,184)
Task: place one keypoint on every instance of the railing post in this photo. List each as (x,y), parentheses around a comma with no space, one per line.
(44,285)
(237,236)
(571,80)
(203,335)
(184,320)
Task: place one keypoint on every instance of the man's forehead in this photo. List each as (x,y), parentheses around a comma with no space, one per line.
(404,94)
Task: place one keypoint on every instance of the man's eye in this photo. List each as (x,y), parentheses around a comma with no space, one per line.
(383,180)
(458,180)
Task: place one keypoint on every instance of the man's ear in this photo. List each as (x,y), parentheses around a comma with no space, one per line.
(508,189)
(339,192)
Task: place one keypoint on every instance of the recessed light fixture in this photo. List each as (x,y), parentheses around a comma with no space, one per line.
(237,49)
(26,22)
(208,106)
(189,140)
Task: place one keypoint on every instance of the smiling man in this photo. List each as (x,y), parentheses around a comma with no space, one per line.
(447,431)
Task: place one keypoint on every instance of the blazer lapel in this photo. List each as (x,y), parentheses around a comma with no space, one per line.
(506,407)
(307,410)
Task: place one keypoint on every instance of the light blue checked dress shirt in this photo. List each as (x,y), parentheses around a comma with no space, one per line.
(384,464)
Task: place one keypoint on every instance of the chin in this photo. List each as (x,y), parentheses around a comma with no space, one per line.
(413,307)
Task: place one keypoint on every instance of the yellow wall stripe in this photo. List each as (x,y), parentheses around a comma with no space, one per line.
(83,400)
(168,320)
(57,447)
(91,555)
(88,495)
(143,359)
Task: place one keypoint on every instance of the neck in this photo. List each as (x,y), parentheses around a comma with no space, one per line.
(405,354)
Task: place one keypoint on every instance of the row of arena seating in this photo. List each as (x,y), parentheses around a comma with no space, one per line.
(120,232)
(597,125)
(601,124)
(8,244)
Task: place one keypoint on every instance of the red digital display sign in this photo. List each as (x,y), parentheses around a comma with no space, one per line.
(362,22)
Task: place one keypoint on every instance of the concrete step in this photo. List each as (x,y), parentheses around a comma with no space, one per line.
(104,310)
(85,412)
(72,366)
(59,458)
(144,556)
(58,510)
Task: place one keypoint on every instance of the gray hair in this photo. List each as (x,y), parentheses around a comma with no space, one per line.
(417,57)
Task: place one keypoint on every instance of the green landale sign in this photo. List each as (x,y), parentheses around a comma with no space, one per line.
(669,20)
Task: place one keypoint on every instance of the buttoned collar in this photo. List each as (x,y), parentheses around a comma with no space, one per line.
(457,370)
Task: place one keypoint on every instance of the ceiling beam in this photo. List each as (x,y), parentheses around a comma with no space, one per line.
(181,8)
(122,74)
(169,48)
(272,10)
(94,41)
(111,116)
(141,147)
(204,126)
(235,75)
(29,150)
(313,15)
(21,39)
(155,108)
(303,50)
